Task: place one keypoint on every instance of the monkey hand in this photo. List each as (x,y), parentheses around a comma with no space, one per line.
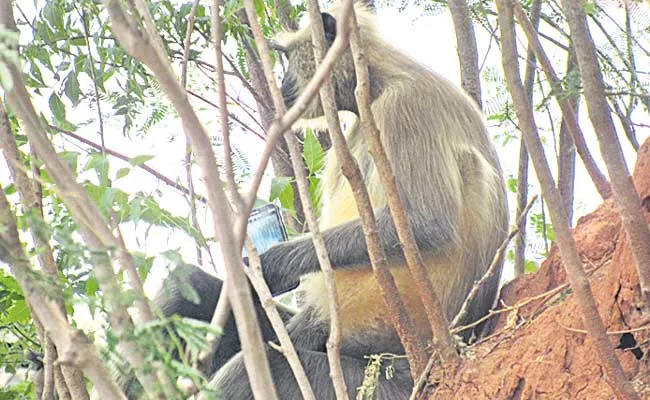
(283,264)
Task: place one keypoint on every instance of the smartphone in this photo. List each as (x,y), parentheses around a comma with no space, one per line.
(266,228)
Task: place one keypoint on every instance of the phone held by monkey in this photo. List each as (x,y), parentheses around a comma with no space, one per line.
(266,228)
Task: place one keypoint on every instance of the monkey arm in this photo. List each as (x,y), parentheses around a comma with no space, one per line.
(283,264)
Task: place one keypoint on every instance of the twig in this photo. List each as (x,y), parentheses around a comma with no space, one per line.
(329,108)
(93,77)
(422,379)
(221,96)
(524,161)
(74,347)
(188,145)
(31,198)
(284,122)
(517,306)
(230,115)
(260,100)
(93,228)
(621,332)
(399,318)
(494,265)
(266,298)
(143,166)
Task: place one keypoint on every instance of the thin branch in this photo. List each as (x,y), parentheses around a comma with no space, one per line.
(625,195)
(221,96)
(166,180)
(188,145)
(260,100)
(494,266)
(266,299)
(230,115)
(566,243)
(74,347)
(93,228)
(466,48)
(93,77)
(284,122)
(422,379)
(568,113)
(520,304)
(522,171)
(329,108)
(612,333)
(31,199)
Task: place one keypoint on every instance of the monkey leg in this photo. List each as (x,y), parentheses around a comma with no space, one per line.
(232,382)
(309,334)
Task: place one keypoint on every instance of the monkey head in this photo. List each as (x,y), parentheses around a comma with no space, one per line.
(298,49)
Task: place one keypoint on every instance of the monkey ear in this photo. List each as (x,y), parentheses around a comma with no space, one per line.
(329,25)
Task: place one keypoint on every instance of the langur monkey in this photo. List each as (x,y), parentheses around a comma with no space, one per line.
(450,182)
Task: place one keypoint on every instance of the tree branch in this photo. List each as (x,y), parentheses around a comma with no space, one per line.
(466,47)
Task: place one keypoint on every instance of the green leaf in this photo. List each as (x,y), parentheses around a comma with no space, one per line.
(100,163)
(53,15)
(512,184)
(143,265)
(530,266)
(286,200)
(71,88)
(19,312)
(122,172)
(259,9)
(591,8)
(313,153)
(282,190)
(92,286)
(141,159)
(278,185)
(145,208)
(71,157)
(57,108)
(107,198)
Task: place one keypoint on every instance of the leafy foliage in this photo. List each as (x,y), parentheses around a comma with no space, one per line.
(314,157)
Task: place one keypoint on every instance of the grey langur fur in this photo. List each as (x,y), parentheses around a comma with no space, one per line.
(449,178)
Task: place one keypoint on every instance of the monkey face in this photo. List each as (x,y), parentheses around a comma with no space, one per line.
(299,51)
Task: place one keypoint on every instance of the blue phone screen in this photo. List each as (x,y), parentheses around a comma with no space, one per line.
(265,227)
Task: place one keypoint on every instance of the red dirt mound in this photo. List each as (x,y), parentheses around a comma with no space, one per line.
(539,350)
